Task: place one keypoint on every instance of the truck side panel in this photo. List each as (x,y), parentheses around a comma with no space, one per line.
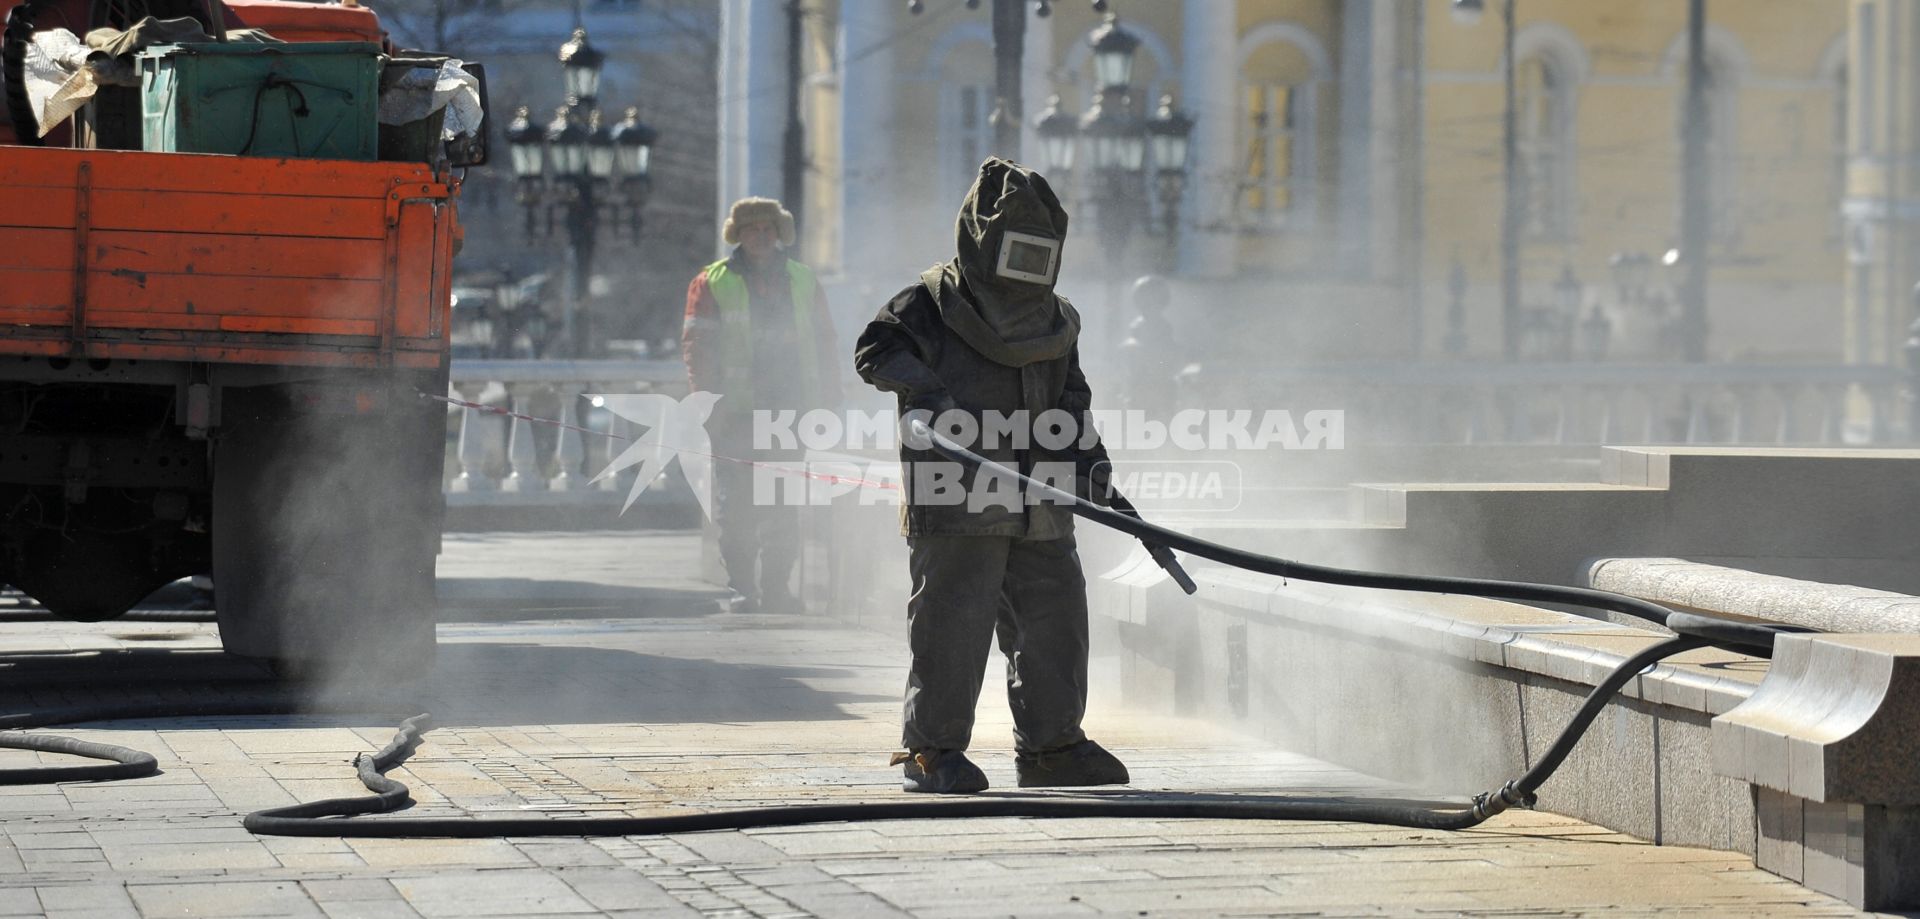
(143,255)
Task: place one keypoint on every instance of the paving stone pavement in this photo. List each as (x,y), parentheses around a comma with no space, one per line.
(572,717)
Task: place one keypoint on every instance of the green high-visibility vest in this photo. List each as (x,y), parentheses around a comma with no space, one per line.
(736,329)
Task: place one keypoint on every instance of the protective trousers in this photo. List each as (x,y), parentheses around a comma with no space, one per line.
(768,533)
(1033,595)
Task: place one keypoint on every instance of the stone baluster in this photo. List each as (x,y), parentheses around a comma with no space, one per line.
(570,450)
(623,434)
(1479,403)
(1883,401)
(1517,403)
(1564,422)
(1697,421)
(1785,430)
(1743,403)
(520,449)
(476,430)
(1650,432)
(1376,419)
(1833,412)
(1432,407)
(1608,396)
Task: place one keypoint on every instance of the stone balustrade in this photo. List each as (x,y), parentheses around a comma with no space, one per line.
(503,461)
(1574,403)
(515,462)
(513,472)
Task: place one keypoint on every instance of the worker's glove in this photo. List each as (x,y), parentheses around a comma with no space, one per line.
(923,407)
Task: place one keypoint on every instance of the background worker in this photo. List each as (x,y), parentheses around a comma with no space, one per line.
(986,333)
(757,332)
(1150,355)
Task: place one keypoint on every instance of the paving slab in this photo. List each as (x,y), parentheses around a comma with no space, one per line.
(646,705)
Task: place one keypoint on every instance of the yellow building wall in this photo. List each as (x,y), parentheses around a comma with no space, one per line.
(1776,258)
(1778,264)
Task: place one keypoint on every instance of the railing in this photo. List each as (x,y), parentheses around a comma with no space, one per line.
(513,461)
(502,460)
(1575,403)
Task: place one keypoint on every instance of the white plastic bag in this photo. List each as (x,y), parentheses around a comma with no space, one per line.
(423,91)
(58,82)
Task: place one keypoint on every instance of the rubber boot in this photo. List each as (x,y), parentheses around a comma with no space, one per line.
(1084,763)
(941,772)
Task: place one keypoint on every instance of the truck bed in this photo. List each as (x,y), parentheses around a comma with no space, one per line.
(190,257)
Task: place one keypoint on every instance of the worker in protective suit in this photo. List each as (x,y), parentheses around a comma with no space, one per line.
(985,333)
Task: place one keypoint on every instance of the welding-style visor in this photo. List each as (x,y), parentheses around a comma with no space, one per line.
(1026,257)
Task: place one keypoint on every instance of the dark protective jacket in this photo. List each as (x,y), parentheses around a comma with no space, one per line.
(989,346)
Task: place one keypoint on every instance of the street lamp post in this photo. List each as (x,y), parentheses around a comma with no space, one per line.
(1117,144)
(581,165)
(1469,12)
(1169,130)
(1057,130)
(1567,295)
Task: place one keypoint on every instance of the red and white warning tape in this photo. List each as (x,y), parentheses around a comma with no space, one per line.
(783,468)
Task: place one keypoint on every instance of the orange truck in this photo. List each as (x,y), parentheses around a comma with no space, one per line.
(218,364)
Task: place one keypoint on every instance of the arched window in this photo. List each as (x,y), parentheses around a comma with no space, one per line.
(1543,100)
(1278,129)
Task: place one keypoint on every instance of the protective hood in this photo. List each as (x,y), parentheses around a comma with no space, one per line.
(997,293)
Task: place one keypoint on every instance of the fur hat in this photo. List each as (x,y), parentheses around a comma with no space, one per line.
(748,210)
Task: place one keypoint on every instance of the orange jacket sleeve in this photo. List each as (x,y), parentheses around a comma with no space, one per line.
(700,335)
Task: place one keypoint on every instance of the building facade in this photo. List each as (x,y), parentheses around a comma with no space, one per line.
(1345,187)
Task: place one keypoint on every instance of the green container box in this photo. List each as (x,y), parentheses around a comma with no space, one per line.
(318,100)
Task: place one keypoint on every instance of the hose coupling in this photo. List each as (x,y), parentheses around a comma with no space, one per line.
(1487,804)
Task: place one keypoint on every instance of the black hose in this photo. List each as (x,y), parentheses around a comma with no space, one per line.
(121,762)
(1751,638)
(388,795)
(1596,701)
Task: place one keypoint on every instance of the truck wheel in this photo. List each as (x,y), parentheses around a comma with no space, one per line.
(325,529)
